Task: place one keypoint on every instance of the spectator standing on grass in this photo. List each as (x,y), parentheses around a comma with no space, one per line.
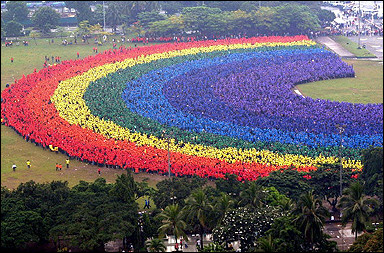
(57,166)
(99,171)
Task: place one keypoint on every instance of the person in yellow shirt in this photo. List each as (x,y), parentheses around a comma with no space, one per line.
(67,162)
(28,164)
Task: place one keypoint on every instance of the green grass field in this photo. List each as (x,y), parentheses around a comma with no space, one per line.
(366,88)
(352,47)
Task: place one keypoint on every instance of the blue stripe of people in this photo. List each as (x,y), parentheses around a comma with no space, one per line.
(204,95)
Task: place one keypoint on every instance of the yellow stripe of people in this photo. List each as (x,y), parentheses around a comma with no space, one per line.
(68,100)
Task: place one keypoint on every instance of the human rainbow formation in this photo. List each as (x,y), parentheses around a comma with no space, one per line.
(223,106)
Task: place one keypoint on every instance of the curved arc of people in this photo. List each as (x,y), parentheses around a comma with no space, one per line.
(79,113)
(28,108)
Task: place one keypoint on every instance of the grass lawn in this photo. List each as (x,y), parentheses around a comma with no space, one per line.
(352,47)
(366,88)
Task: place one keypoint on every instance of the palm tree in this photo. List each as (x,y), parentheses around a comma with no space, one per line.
(356,207)
(172,218)
(198,206)
(223,204)
(253,196)
(156,245)
(266,244)
(311,216)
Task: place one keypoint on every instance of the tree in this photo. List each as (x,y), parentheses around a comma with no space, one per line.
(368,242)
(356,207)
(311,217)
(94,216)
(98,15)
(224,203)
(156,245)
(171,7)
(213,247)
(175,190)
(229,184)
(253,196)
(200,19)
(145,18)
(198,205)
(45,19)
(113,15)
(28,213)
(289,182)
(373,170)
(249,6)
(133,8)
(84,29)
(13,29)
(224,5)
(262,21)
(288,237)
(246,225)
(266,244)
(174,25)
(325,16)
(16,11)
(125,188)
(238,22)
(295,19)
(173,222)
(83,10)
(326,182)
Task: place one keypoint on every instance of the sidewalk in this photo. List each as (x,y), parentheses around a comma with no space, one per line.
(342,236)
(335,47)
(170,243)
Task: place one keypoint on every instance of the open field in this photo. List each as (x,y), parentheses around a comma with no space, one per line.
(366,88)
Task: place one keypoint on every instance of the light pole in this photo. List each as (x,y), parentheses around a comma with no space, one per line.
(359,16)
(104,15)
(341,129)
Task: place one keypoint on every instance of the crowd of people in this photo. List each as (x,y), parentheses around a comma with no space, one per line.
(47,108)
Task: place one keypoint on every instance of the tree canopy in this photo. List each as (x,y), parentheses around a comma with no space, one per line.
(45,19)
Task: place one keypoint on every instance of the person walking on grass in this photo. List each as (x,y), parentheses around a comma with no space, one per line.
(14,167)
(99,171)
(67,162)
(28,164)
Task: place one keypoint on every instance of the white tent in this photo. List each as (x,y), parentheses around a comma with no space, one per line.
(340,21)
